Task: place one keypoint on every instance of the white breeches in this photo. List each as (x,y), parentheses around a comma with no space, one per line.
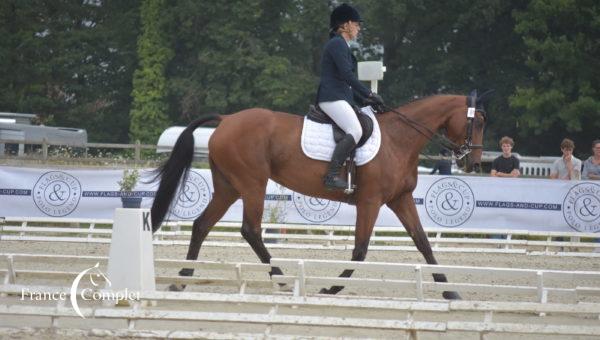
(343,115)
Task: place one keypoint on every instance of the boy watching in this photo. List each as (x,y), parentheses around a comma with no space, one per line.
(568,166)
(506,165)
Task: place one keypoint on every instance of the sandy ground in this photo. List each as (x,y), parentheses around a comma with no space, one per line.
(245,254)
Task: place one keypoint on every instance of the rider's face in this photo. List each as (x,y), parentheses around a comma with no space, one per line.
(352,28)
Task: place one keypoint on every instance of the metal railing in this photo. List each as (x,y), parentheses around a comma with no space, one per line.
(81,153)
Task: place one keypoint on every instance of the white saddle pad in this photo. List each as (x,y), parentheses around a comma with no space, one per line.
(317,140)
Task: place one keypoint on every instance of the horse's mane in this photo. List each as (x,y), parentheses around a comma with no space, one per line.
(418,99)
(416,102)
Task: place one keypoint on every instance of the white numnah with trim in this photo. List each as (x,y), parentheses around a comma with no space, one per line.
(317,140)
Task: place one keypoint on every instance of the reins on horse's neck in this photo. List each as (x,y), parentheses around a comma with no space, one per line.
(433,136)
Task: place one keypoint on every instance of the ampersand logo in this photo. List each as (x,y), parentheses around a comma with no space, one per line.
(449,202)
(581,207)
(56,193)
(315,209)
(192,198)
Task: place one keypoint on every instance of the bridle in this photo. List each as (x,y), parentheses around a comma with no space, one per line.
(468,145)
(459,151)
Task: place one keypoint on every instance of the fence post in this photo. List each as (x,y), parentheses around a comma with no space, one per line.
(11,275)
(419,282)
(541,291)
(137,150)
(302,278)
(44,149)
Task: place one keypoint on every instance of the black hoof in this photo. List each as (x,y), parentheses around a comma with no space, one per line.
(284,287)
(325,291)
(186,272)
(176,287)
(451,296)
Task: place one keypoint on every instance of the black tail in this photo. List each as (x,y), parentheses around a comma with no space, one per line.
(176,167)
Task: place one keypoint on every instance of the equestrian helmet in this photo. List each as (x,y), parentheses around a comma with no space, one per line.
(341,14)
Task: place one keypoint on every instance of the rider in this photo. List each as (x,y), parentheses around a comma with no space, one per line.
(338,85)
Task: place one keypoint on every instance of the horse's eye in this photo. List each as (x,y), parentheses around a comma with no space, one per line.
(479,121)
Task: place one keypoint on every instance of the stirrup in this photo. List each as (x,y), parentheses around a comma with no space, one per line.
(349,190)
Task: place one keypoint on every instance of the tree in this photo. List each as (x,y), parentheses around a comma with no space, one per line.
(240,54)
(561,98)
(149,112)
(69,62)
(432,47)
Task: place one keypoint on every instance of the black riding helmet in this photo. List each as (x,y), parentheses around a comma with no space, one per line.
(341,14)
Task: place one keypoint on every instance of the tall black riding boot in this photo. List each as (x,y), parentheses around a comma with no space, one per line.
(342,150)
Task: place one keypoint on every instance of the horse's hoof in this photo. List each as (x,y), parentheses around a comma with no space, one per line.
(284,287)
(176,287)
(326,291)
(451,296)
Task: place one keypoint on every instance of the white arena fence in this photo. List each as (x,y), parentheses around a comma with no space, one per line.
(292,317)
(297,236)
(412,281)
(303,312)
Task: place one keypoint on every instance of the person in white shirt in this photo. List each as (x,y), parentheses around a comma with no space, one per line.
(568,166)
(591,166)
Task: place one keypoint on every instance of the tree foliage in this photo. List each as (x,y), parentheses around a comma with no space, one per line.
(149,109)
(239,54)
(69,62)
(433,47)
(73,62)
(562,96)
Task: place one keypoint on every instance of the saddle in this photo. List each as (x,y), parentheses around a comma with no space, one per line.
(317,115)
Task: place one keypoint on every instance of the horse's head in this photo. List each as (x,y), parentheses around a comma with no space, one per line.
(466,130)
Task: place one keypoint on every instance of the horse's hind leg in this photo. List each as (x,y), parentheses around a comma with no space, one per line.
(253,197)
(224,196)
(404,207)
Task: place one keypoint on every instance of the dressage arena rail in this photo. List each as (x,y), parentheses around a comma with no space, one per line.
(270,312)
(411,280)
(296,236)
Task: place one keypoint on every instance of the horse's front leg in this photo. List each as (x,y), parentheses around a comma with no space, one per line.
(404,207)
(366,214)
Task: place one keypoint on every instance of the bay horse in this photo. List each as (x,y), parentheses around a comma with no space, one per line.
(251,146)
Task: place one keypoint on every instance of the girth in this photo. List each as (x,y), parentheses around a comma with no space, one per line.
(317,115)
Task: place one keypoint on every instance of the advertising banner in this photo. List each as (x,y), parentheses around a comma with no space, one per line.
(442,201)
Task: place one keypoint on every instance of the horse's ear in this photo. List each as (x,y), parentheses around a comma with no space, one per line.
(472,99)
(485,96)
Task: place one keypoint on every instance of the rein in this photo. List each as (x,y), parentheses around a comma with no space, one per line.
(435,137)
(459,151)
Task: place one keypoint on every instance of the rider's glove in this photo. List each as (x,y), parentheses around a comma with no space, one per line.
(376,99)
(376,102)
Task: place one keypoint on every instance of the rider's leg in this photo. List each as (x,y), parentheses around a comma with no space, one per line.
(343,115)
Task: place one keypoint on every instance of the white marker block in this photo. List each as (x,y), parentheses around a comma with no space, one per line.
(131,259)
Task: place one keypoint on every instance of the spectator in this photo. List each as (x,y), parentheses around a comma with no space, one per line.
(568,167)
(443,165)
(591,166)
(506,165)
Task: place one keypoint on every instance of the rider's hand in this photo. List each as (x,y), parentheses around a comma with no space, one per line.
(376,99)
(376,102)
